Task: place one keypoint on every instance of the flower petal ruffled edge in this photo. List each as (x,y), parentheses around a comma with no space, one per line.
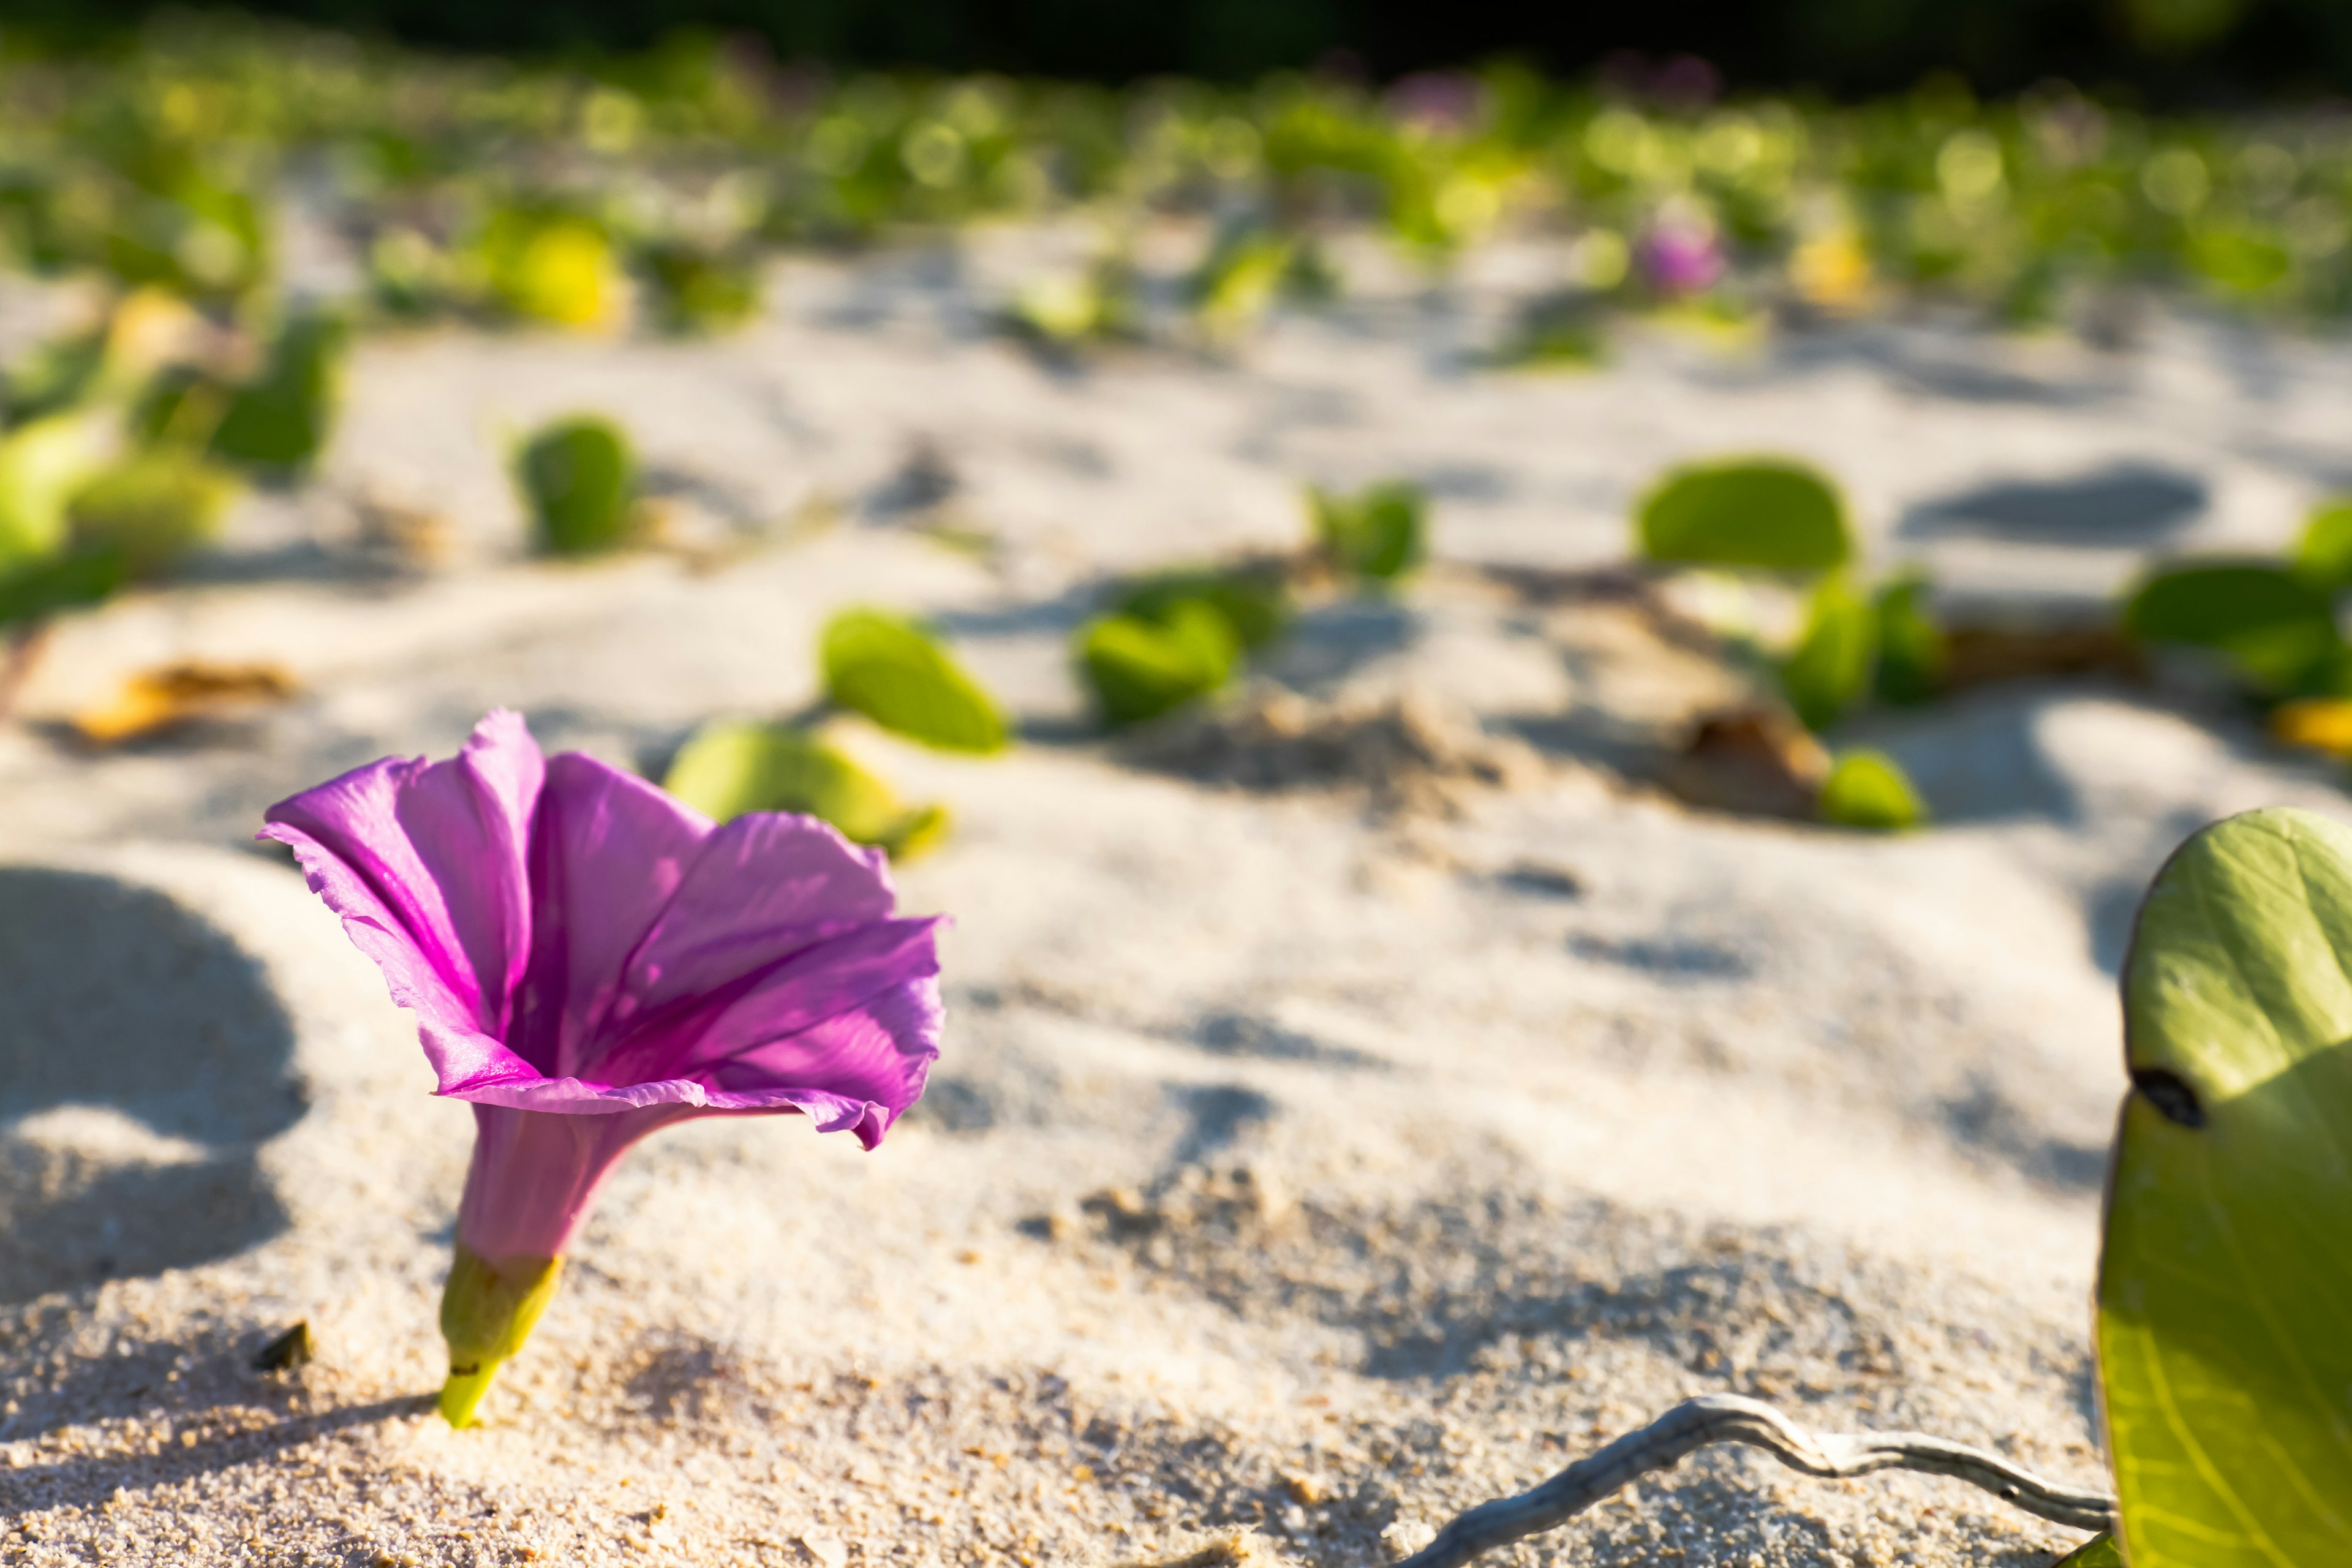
(573,1097)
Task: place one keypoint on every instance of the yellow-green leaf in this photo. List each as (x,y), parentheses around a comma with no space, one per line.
(896,673)
(730,768)
(1766,512)
(2226,1284)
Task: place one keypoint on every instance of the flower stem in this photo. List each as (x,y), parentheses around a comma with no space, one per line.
(487,1312)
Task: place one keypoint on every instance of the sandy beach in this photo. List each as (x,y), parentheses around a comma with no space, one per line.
(1310,1161)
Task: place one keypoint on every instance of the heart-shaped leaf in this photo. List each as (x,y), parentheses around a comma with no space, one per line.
(579,479)
(2270,623)
(281,419)
(1141,669)
(1870,790)
(896,674)
(729,768)
(1765,512)
(1379,533)
(2227,1280)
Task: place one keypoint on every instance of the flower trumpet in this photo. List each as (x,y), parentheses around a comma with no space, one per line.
(588,960)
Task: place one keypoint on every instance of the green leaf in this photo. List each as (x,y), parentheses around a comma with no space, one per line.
(2099,1552)
(551,267)
(731,768)
(1254,601)
(579,480)
(1141,669)
(62,583)
(151,508)
(1870,790)
(1911,648)
(1766,512)
(2323,556)
(896,674)
(698,290)
(2269,625)
(2226,1280)
(281,419)
(41,466)
(1830,668)
(1380,533)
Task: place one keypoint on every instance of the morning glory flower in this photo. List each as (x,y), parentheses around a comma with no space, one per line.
(588,960)
(1680,255)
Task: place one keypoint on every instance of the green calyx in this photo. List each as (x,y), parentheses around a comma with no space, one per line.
(487,1312)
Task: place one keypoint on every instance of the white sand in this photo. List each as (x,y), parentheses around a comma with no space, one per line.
(1287,1166)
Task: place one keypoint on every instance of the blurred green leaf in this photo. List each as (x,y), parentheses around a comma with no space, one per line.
(1243,272)
(2099,1552)
(1254,601)
(579,479)
(896,674)
(696,289)
(281,418)
(2322,557)
(1380,533)
(1764,513)
(2269,624)
(1829,670)
(2222,1355)
(41,466)
(731,768)
(555,267)
(1141,668)
(1912,654)
(58,583)
(151,508)
(1870,790)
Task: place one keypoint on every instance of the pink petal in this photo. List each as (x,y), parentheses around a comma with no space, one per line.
(534,1177)
(608,853)
(427,864)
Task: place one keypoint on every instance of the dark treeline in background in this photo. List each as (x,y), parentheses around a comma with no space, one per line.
(2165,51)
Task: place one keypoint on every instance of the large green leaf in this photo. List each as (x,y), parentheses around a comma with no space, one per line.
(2322,558)
(2226,1287)
(2265,620)
(1380,533)
(1141,669)
(2099,1552)
(1766,512)
(731,768)
(1829,670)
(579,478)
(896,674)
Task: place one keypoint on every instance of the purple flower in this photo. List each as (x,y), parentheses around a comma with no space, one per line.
(1680,256)
(588,960)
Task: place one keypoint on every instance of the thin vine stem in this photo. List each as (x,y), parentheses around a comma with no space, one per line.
(1729,1418)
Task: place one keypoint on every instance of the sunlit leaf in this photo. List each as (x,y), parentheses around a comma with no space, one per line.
(151,508)
(1141,668)
(552,267)
(730,768)
(2099,1552)
(2322,558)
(1829,670)
(2223,1352)
(1764,513)
(41,466)
(1913,653)
(579,479)
(1869,789)
(2264,620)
(1380,533)
(896,674)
